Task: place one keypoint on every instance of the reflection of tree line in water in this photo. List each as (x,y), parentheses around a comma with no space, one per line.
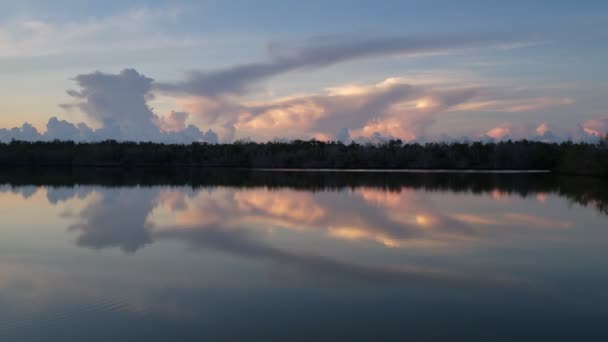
(582,190)
(570,158)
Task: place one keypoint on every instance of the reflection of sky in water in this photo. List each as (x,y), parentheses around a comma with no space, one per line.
(170,261)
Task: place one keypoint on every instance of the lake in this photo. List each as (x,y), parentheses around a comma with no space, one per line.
(243,255)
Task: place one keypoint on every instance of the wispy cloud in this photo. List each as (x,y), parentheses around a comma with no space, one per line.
(514,105)
(134,29)
(323,52)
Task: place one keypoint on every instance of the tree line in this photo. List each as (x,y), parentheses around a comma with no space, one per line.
(566,157)
(586,191)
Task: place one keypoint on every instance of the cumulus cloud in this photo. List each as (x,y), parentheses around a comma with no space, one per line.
(588,131)
(176,121)
(391,107)
(596,127)
(26,132)
(512,131)
(318,53)
(118,103)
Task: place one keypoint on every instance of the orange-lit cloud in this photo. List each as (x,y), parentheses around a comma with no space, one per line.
(596,127)
(299,116)
(514,105)
(522,131)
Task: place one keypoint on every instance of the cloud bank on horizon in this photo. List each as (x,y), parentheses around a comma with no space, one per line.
(390,109)
(246,99)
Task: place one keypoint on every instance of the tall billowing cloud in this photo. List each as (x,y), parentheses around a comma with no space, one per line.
(118,103)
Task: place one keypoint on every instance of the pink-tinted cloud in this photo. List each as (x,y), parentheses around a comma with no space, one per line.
(596,127)
(517,131)
(514,105)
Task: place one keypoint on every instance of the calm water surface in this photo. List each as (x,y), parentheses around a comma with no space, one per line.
(259,256)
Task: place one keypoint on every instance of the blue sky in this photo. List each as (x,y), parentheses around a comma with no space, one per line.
(407,69)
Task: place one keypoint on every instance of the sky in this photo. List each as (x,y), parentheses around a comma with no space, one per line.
(218,71)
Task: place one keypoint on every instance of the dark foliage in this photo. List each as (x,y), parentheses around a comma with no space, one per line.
(573,158)
(587,191)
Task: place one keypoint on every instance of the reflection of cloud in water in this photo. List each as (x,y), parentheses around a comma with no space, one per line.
(325,239)
(130,218)
(118,218)
(25,191)
(523,220)
(541,197)
(242,243)
(290,205)
(62,194)
(381,197)
(533,221)
(475,219)
(500,196)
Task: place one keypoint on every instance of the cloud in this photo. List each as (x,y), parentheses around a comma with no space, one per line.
(596,127)
(511,131)
(176,121)
(587,131)
(63,130)
(318,53)
(391,107)
(514,105)
(135,29)
(118,103)
(26,132)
